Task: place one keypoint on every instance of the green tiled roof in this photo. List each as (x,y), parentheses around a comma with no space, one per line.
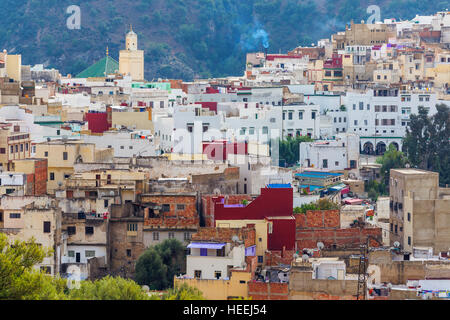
(100,69)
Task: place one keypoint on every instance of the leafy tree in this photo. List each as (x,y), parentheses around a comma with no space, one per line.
(183,292)
(290,148)
(159,264)
(173,254)
(109,288)
(18,279)
(375,189)
(427,141)
(321,204)
(391,159)
(151,271)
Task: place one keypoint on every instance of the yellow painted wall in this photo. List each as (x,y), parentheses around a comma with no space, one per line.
(14,66)
(142,120)
(132,62)
(220,289)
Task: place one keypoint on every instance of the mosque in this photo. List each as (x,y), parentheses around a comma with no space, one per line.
(131,62)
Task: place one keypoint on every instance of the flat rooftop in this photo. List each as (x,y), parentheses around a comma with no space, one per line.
(414,171)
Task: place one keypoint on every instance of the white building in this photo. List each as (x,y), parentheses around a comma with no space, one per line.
(214,260)
(380,116)
(339,154)
(125,143)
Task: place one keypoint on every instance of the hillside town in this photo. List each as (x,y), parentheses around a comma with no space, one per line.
(102,165)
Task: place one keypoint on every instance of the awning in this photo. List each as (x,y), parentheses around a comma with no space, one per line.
(204,245)
(345,190)
(338,187)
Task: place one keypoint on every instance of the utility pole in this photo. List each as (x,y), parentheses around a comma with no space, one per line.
(362,272)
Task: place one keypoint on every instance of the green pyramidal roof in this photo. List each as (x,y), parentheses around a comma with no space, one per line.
(100,69)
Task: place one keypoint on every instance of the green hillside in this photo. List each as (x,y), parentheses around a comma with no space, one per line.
(181,38)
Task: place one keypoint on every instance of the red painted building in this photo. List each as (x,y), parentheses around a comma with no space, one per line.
(219,150)
(97,121)
(211,106)
(274,205)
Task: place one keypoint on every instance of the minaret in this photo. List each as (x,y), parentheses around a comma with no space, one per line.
(131,40)
(131,60)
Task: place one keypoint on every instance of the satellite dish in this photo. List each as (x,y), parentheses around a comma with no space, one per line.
(320,245)
(397,244)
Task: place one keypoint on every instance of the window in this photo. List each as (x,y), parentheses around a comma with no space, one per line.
(71,253)
(46,226)
(354,106)
(165,208)
(71,230)
(155,236)
(14,215)
(187,236)
(46,269)
(265,130)
(217,274)
(89,230)
(361,106)
(396,229)
(1,216)
(161,104)
(290,116)
(128,252)
(21,147)
(89,253)
(197,274)
(2,150)
(180,207)
(106,203)
(355,122)
(409,216)
(325,163)
(203,252)
(313,115)
(221,252)
(409,241)
(65,156)
(300,115)
(132,227)
(17,148)
(52,176)
(171,235)
(260,259)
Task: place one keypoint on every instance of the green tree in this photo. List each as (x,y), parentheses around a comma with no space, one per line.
(183,292)
(173,255)
(321,204)
(391,159)
(159,264)
(18,279)
(427,141)
(151,271)
(290,148)
(109,288)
